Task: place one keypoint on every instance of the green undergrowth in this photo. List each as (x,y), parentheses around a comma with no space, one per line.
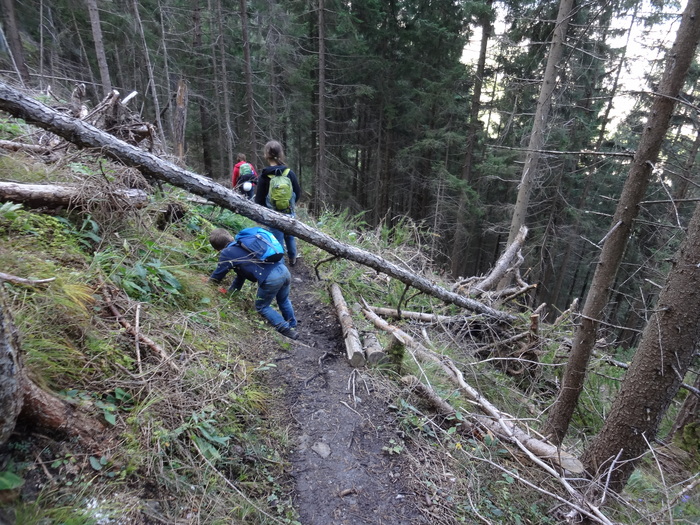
(190,433)
(185,411)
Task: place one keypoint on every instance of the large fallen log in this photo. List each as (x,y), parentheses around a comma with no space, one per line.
(85,135)
(539,451)
(353,346)
(373,350)
(53,196)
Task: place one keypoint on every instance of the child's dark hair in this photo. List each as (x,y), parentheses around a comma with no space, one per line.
(273,151)
(220,238)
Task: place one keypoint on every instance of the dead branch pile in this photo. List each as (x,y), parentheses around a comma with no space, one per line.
(111,114)
(556,462)
(506,269)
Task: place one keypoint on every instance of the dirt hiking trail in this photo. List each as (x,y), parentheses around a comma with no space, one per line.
(341,421)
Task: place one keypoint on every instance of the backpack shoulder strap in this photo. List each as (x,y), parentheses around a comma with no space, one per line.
(275,173)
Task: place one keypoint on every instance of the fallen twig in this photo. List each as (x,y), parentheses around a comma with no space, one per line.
(21,280)
(142,338)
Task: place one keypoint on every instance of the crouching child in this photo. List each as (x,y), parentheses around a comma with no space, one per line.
(273,278)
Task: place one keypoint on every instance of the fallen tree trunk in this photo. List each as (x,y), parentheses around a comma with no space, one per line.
(373,350)
(501,424)
(416,316)
(150,165)
(50,195)
(353,346)
(18,146)
(446,410)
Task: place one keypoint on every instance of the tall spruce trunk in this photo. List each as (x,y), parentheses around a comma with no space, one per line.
(321,184)
(457,257)
(249,142)
(99,46)
(14,42)
(544,104)
(202,60)
(678,61)
(657,370)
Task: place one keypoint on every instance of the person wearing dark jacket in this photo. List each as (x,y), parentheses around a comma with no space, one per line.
(274,281)
(274,156)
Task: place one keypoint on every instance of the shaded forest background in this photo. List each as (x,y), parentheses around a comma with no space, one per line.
(380,116)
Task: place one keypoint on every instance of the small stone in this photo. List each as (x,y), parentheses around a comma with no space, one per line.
(321,449)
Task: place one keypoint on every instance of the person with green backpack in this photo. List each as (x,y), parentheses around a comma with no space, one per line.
(278,189)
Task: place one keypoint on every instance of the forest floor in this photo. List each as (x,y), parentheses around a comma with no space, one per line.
(347,460)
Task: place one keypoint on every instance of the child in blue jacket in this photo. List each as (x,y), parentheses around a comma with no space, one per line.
(273,278)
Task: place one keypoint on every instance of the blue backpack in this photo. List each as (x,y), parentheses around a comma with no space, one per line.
(261,243)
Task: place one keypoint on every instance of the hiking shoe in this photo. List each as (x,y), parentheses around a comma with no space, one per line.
(290,332)
(292,261)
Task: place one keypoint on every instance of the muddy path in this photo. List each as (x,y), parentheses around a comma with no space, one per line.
(341,426)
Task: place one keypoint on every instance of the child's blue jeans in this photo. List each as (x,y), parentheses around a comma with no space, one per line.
(276,287)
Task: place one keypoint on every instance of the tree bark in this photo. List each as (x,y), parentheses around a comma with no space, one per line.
(249,101)
(14,41)
(539,126)
(99,46)
(657,369)
(180,120)
(10,376)
(353,345)
(373,350)
(85,135)
(46,411)
(678,62)
(18,146)
(52,196)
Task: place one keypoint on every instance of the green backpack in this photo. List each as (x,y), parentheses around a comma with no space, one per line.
(245,171)
(281,191)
